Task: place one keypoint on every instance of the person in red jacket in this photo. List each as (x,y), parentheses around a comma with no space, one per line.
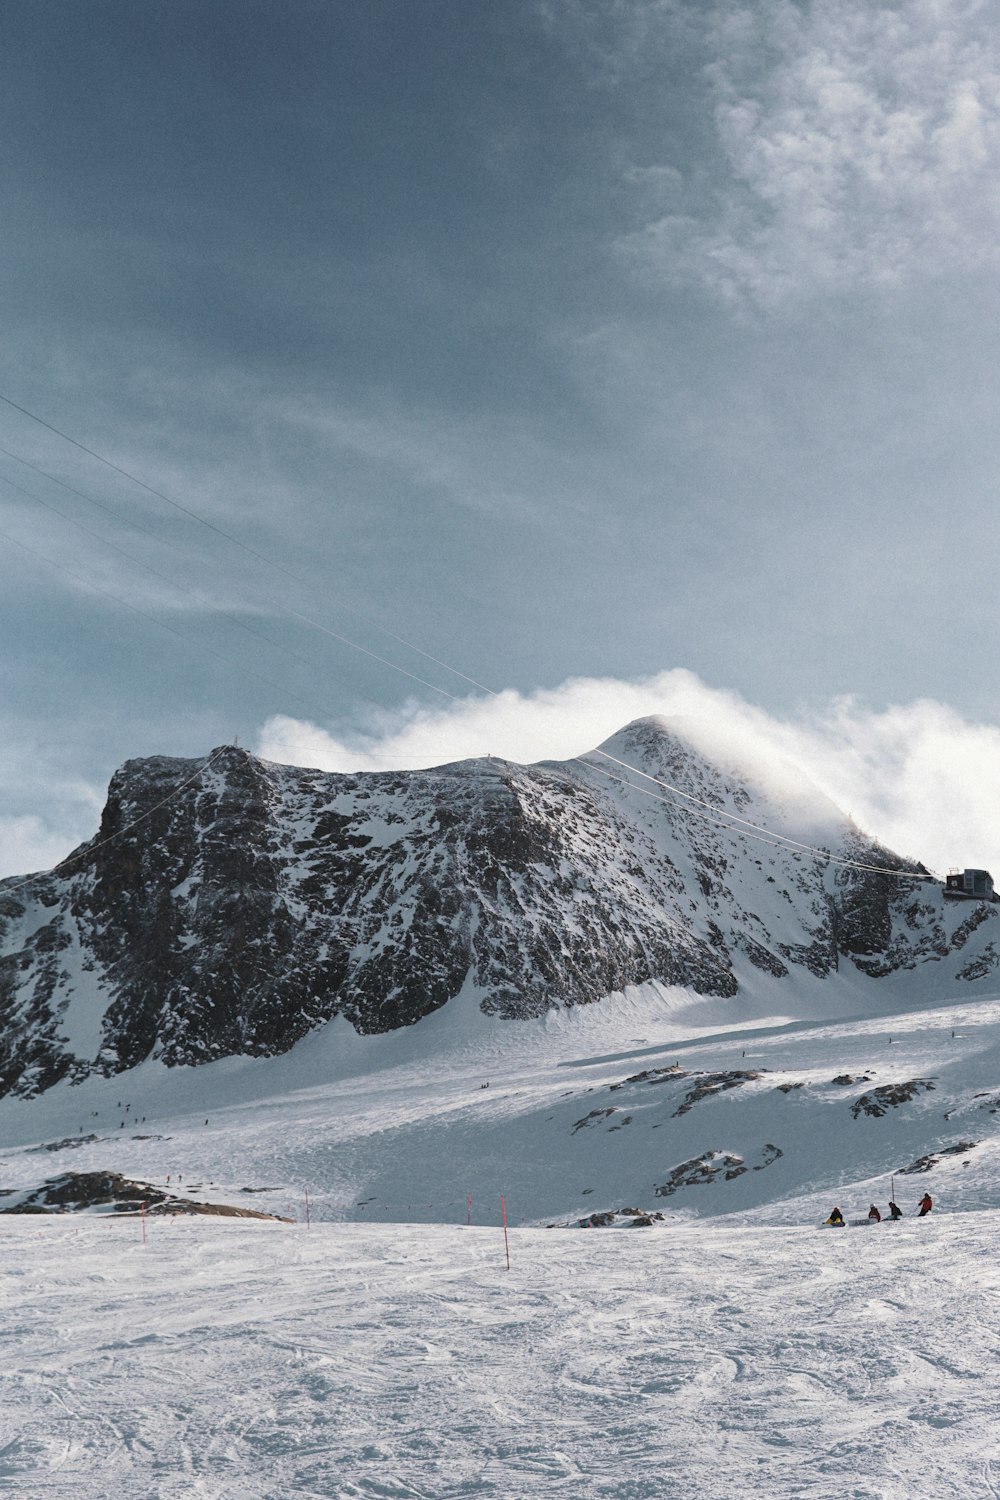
(874,1217)
(926,1204)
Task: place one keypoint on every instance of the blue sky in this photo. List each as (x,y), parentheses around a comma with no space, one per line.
(571,342)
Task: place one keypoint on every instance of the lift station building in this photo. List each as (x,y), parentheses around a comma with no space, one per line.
(970,885)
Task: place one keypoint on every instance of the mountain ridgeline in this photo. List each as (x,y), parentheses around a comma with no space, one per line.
(242,912)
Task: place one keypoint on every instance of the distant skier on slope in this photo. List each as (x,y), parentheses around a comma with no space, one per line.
(926,1204)
(895,1211)
(836,1219)
(874,1217)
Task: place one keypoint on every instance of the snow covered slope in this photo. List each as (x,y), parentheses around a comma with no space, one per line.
(651,1100)
(794,1035)
(361,1363)
(736,1348)
(247,910)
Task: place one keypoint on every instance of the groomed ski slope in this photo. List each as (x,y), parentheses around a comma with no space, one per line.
(228,1362)
(737,1349)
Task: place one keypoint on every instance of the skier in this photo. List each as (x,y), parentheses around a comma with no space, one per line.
(926,1204)
(836,1219)
(874,1217)
(896,1211)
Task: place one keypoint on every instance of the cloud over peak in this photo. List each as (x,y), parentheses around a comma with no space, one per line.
(919,776)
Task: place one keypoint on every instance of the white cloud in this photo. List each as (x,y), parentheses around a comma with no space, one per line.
(31,775)
(862,145)
(549,724)
(27,844)
(919,776)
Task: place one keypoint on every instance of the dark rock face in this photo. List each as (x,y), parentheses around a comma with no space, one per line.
(709,1084)
(109,1192)
(716,1165)
(621,1218)
(889,1096)
(232,906)
(702,1170)
(925,1163)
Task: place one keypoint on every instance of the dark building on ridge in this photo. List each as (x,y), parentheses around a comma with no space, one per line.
(970,885)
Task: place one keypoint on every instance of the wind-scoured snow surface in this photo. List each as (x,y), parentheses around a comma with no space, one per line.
(736,1348)
(217,1361)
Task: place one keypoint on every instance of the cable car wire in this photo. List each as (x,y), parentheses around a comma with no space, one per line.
(763,836)
(730,820)
(252,552)
(8,890)
(733,819)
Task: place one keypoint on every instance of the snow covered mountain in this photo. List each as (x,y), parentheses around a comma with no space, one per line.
(241,911)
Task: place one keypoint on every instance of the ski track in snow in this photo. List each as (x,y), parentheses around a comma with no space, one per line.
(747,1351)
(226,1362)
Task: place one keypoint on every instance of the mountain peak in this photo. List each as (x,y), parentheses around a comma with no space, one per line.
(232,905)
(703,759)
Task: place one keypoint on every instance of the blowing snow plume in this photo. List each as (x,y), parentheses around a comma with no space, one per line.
(234,906)
(918,776)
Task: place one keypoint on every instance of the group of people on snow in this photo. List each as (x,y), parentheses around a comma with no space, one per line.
(874,1216)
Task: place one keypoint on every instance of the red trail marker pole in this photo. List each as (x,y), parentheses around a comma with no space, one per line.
(468,1208)
(503,1214)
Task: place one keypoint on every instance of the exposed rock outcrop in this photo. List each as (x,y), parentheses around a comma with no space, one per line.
(234,907)
(109,1192)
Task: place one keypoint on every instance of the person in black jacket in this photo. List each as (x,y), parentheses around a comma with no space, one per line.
(836,1218)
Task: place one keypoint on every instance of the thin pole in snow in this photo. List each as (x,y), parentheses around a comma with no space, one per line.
(468,1208)
(142,1215)
(506,1244)
(308,1216)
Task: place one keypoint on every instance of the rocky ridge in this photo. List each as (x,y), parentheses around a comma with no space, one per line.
(238,914)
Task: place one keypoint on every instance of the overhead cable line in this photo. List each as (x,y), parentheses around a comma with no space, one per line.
(8,890)
(763,836)
(252,552)
(192,641)
(201,599)
(733,819)
(346,641)
(162,624)
(758,838)
(54,478)
(141,483)
(297,614)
